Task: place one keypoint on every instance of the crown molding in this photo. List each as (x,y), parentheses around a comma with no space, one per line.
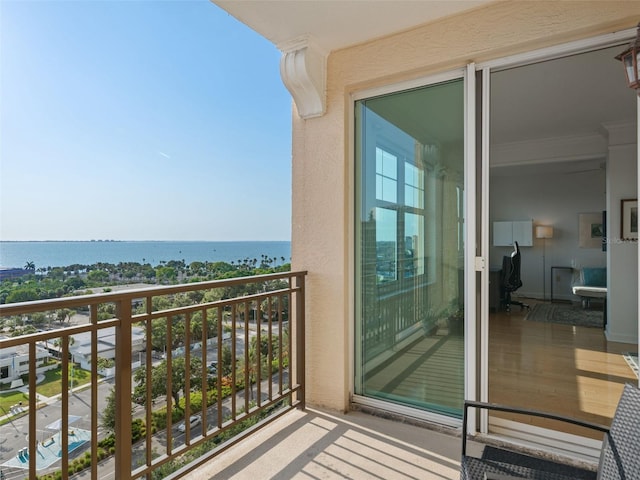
(303,71)
(621,133)
(567,148)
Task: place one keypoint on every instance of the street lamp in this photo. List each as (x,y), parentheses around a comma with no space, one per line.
(630,61)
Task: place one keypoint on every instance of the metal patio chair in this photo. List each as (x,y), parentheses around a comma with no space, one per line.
(619,456)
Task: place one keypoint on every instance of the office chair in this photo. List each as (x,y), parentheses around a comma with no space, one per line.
(510,279)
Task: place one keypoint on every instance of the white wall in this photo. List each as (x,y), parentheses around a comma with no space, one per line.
(557,200)
(622,256)
(554,200)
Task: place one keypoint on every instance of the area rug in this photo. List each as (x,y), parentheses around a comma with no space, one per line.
(632,361)
(565,314)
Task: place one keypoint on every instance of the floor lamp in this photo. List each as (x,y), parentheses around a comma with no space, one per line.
(544,232)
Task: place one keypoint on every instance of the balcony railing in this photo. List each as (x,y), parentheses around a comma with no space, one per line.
(228,353)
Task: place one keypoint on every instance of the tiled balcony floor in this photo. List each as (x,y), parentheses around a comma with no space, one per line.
(316,444)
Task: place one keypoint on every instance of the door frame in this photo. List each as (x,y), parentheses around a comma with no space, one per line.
(486,68)
(476,225)
(467,74)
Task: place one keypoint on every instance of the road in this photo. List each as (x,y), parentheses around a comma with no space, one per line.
(14,435)
(106,469)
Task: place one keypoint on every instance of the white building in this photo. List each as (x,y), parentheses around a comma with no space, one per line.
(14,362)
(81,346)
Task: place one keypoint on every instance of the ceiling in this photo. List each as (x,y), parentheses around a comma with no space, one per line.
(336,24)
(570,96)
(574,95)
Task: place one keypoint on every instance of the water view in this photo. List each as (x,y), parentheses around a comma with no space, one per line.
(56,254)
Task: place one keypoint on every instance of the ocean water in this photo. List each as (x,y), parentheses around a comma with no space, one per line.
(62,254)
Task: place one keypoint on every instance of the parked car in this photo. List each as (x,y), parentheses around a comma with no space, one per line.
(193,421)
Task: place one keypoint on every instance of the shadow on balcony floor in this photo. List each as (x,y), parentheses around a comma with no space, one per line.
(316,444)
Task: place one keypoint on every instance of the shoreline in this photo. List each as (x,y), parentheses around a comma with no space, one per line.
(46,254)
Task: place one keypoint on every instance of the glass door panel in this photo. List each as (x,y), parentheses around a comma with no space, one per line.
(409,249)
(549,358)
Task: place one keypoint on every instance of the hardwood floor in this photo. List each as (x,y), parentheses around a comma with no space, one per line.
(565,369)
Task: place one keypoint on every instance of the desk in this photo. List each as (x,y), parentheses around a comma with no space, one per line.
(557,268)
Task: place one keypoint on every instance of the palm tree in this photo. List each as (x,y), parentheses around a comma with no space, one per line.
(30,266)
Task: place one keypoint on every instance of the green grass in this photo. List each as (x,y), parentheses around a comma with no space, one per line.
(9,399)
(52,384)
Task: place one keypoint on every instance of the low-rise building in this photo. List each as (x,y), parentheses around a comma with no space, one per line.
(80,349)
(14,362)
(7,273)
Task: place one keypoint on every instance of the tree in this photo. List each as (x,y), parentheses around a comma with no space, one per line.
(109,411)
(167,274)
(226,360)
(159,377)
(75,283)
(39,319)
(64,314)
(30,266)
(197,268)
(104,363)
(98,276)
(23,294)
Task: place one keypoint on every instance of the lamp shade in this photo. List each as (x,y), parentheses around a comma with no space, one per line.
(544,231)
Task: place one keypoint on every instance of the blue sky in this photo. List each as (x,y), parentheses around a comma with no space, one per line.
(140,120)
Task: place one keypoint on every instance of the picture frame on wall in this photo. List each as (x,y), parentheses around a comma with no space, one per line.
(629,219)
(591,230)
(604,231)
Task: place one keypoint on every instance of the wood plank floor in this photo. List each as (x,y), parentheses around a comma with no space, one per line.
(566,369)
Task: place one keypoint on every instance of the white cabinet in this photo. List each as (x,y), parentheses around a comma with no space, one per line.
(505,233)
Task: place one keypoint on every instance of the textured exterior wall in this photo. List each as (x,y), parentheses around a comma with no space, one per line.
(322,163)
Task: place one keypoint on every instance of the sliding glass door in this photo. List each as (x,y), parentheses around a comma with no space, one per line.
(562,355)
(409,275)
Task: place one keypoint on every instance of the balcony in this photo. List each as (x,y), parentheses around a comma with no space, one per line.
(228,354)
(314,444)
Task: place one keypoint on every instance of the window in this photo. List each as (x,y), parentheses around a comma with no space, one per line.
(409,166)
(399,216)
(386,176)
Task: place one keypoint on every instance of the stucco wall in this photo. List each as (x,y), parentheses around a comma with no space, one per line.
(322,170)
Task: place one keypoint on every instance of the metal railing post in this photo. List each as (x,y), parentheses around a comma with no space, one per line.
(123,390)
(33,398)
(300,339)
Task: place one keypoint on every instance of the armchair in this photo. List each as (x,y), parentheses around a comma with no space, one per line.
(591,283)
(619,456)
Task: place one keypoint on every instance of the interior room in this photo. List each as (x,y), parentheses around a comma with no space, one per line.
(563,157)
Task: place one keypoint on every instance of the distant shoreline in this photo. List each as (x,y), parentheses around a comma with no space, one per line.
(86,252)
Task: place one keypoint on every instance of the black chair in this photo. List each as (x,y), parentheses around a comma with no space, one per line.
(510,279)
(619,456)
